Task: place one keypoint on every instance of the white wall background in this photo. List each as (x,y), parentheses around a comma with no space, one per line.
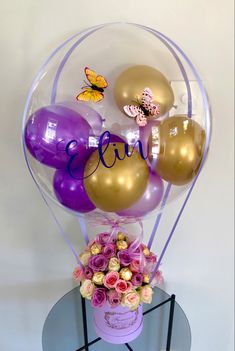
(35,264)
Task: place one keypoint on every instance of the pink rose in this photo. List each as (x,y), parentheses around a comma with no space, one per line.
(135,266)
(142,246)
(137,279)
(125,257)
(152,258)
(87,289)
(123,286)
(129,286)
(102,238)
(150,263)
(146,294)
(78,274)
(88,273)
(109,250)
(111,279)
(114,298)
(99,298)
(131,300)
(98,263)
(158,279)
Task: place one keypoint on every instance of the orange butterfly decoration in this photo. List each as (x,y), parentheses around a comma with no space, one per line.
(93,91)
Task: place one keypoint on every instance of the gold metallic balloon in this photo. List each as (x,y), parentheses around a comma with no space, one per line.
(177,146)
(120,186)
(131,83)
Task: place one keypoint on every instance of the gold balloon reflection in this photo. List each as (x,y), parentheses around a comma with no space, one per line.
(119,187)
(178,144)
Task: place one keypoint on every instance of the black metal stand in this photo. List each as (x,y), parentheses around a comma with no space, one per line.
(171,300)
(84,318)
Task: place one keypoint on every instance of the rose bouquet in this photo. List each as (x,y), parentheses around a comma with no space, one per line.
(117,270)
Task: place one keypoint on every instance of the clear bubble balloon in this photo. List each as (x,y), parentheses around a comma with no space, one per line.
(106,99)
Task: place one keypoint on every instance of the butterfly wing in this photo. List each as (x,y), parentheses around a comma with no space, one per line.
(101,82)
(132,110)
(147,96)
(95,79)
(91,75)
(154,109)
(136,112)
(146,101)
(90,95)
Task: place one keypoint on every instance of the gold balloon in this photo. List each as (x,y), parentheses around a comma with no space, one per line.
(177,146)
(119,187)
(131,83)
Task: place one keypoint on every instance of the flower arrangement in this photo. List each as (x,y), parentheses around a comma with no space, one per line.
(117,270)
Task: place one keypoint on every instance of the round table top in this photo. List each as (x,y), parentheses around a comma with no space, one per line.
(63,328)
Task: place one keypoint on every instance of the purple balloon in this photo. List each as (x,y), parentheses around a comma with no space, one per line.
(149,201)
(94,119)
(50,129)
(69,189)
(71,192)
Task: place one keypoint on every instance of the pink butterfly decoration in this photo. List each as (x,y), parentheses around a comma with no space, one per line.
(145,109)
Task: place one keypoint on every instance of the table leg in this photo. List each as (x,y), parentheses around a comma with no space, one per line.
(85,333)
(170,325)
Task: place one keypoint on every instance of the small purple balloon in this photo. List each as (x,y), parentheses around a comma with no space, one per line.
(149,201)
(71,192)
(50,129)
